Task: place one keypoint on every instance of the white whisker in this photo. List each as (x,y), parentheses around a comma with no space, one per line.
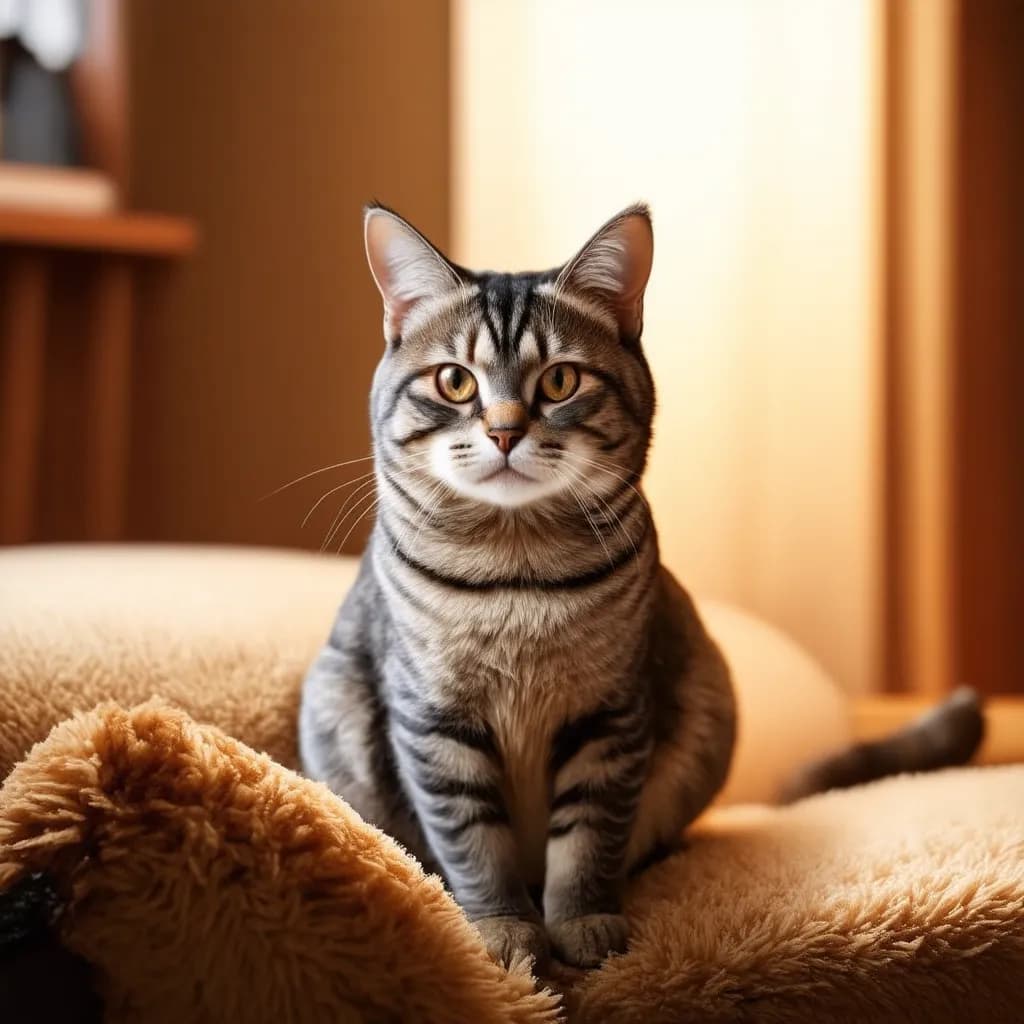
(333,490)
(369,508)
(342,514)
(306,476)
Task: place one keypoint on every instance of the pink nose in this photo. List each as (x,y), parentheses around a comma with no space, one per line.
(506,438)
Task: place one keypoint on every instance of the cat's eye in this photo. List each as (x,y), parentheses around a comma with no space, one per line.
(456,383)
(559,382)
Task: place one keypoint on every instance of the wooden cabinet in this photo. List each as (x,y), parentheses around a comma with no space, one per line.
(108,249)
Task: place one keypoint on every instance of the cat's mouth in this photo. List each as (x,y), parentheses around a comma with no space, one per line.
(506,474)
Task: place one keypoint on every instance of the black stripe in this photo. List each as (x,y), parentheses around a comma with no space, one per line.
(574,735)
(501,298)
(417,435)
(441,785)
(625,484)
(577,794)
(517,339)
(436,411)
(616,388)
(485,816)
(491,329)
(436,722)
(473,335)
(606,513)
(396,395)
(405,660)
(629,554)
(403,493)
(403,591)
(542,344)
(560,830)
(596,432)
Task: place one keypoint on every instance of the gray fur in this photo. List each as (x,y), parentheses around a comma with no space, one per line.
(519,693)
(515,688)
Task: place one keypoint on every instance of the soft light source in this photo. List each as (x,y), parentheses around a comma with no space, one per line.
(753,130)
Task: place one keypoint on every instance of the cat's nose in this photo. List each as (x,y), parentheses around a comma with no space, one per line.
(506,438)
(505,423)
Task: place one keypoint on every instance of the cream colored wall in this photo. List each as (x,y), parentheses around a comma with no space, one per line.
(753,130)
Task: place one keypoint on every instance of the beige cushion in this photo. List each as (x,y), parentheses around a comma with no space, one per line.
(227,633)
(902,901)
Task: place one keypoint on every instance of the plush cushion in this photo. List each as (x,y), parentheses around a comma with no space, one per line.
(227,633)
(207,883)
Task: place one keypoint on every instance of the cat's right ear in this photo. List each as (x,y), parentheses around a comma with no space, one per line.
(406,267)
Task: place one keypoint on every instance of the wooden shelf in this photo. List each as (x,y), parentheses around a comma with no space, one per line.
(143,234)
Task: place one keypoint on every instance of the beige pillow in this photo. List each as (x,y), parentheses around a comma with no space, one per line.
(227,633)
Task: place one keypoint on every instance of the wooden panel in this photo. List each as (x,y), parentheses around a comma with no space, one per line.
(271,124)
(107,384)
(919,385)
(988,499)
(23,283)
(143,234)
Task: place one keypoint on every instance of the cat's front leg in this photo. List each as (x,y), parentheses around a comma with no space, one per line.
(599,764)
(452,774)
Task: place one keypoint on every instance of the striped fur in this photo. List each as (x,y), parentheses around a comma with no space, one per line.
(514,688)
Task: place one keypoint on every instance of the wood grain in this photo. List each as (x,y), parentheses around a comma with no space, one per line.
(145,234)
(254,359)
(23,296)
(108,397)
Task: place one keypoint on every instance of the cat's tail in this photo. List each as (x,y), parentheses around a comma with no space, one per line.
(946,735)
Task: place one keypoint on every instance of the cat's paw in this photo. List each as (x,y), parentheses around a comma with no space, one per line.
(586,941)
(510,939)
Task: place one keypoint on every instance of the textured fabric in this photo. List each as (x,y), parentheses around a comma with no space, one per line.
(901,901)
(210,884)
(224,633)
(227,634)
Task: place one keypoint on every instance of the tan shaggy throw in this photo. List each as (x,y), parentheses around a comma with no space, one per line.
(204,881)
(208,883)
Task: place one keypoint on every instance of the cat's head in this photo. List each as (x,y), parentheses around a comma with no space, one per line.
(513,389)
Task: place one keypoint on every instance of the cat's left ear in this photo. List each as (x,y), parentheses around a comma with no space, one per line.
(405,266)
(613,268)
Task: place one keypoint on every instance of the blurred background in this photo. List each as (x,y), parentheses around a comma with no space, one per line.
(835,319)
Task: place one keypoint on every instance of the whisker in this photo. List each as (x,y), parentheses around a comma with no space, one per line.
(590,521)
(427,511)
(610,515)
(348,506)
(427,518)
(369,508)
(355,505)
(342,514)
(611,472)
(306,476)
(333,490)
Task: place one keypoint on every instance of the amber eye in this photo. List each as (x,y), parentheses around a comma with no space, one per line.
(455,383)
(559,382)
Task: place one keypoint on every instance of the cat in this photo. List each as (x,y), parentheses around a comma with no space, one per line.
(515,688)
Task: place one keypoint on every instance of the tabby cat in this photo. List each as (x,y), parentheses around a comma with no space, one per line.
(514,688)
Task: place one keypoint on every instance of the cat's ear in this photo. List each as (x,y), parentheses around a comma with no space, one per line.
(613,268)
(406,267)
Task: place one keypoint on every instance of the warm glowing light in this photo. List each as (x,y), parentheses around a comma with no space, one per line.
(753,130)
